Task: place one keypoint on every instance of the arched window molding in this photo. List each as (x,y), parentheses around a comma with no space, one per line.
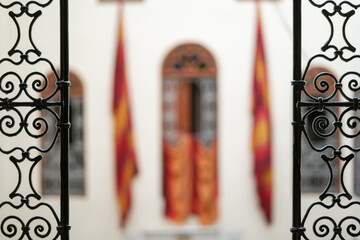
(50,173)
(190,134)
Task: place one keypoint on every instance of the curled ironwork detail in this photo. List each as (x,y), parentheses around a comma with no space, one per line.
(329,227)
(36,227)
(348,83)
(35,127)
(346,10)
(323,230)
(23,100)
(321,227)
(325,108)
(326,227)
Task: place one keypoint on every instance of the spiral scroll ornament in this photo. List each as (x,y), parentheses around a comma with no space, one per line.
(25,95)
(326,111)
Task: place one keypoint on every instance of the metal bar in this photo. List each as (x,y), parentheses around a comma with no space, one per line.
(328,104)
(29,104)
(64,120)
(297,125)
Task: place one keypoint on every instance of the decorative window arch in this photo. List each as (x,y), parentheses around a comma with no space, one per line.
(50,173)
(315,173)
(189,133)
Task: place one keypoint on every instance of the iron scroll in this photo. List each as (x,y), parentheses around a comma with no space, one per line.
(337,102)
(22,126)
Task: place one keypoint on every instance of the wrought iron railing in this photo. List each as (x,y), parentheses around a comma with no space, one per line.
(22,126)
(333,215)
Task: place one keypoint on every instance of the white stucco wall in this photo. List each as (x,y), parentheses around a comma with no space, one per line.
(152,29)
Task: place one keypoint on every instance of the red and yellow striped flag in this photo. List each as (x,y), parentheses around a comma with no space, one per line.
(126,167)
(261,126)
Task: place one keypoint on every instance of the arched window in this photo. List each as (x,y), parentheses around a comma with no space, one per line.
(314,171)
(50,172)
(189,133)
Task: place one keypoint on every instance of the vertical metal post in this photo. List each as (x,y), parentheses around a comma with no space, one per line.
(64,119)
(297,124)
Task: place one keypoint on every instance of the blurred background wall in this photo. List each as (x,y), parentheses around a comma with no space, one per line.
(152,28)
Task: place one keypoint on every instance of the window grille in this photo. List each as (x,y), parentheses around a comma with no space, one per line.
(24,215)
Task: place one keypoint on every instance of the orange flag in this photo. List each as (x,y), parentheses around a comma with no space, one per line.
(190,179)
(126,167)
(178,178)
(205,183)
(261,141)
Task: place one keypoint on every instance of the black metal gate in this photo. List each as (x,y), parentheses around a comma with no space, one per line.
(23,85)
(334,100)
